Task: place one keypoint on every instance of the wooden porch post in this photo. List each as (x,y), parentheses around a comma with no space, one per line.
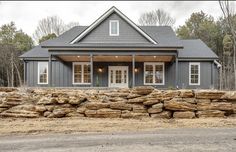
(176,71)
(91,68)
(50,71)
(133,70)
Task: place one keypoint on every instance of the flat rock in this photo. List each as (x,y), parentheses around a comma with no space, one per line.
(229,95)
(142,90)
(157,108)
(179,106)
(137,100)
(108,113)
(134,115)
(225,106)
(186,93)
(162,115)
(81,110)
(210,113)
(121,106)
(209,94)
(151,101)
(97,105)
(90,113)
(184,115)
(139,108)
(47,101)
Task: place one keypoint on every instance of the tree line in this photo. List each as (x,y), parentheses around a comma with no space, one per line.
(219,34)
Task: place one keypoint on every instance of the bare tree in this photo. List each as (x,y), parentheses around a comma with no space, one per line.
(228,13)
(157,17)
(49,25)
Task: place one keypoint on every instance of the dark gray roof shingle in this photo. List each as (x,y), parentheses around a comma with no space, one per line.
(195,48)
(164,35)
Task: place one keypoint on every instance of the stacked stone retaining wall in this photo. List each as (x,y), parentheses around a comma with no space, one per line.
(139,102)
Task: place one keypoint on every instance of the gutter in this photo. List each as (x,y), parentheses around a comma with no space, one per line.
(217,64)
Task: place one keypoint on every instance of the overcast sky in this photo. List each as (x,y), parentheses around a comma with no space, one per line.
(27,14)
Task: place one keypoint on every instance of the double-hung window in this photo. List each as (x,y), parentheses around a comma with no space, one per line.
(194,73)
(154,73)
(81,73)
(42,72)
(114,28)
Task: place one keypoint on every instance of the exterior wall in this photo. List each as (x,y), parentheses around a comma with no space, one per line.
(62,74)
(205,75)
(127,34)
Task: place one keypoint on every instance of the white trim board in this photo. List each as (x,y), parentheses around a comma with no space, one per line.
(199,73)
(103,17)
(154,69)
(39,73)
(82,73)
(118,31)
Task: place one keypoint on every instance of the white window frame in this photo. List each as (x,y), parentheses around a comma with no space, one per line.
(82,72)
(118,31)
(154,74)
(199,73)
(39,73)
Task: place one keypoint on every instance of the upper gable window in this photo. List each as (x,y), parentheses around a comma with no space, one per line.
(114,28)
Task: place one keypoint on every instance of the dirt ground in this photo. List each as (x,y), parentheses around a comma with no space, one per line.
(12,126)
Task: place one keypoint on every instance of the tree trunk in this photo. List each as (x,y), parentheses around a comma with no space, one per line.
(12,71)
(18,74)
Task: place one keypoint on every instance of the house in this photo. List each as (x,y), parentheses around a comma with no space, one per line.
(115,52)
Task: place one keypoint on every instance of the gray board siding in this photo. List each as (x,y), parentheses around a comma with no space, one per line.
(127,34)
(62,74)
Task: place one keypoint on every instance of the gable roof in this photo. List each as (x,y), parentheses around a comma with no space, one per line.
(164,35)
(196,49)
(103,17)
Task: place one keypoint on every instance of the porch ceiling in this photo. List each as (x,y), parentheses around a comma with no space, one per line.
(109,58)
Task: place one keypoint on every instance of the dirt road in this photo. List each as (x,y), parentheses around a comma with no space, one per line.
(164,140)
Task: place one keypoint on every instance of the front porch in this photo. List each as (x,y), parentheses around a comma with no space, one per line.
(119,70)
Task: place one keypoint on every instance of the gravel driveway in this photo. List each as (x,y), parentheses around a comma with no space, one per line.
(162,140)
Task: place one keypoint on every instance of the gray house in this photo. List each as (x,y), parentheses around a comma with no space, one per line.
(115,52)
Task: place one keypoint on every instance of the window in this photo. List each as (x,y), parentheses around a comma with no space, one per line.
(42,72)
(81,73)
(194,73)
(114,28)
(154,73)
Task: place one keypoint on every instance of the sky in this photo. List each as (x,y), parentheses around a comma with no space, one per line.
(26,14)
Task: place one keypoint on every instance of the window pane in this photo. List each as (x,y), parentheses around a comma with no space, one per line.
(87,71)
(43,72)
(111,76)
(159,74)
(114,28)
(78,73)
(194,74)
(125,76)
(148,74)
(118,76)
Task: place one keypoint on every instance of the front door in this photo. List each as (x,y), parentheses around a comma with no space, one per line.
(118,76)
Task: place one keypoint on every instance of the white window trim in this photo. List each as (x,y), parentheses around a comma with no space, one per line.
(154,68)
(39,73)
(118,31)
(82,72)
(199,73)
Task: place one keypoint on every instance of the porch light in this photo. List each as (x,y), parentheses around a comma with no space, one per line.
(116,56)
(135,70)
(78,56)
(99,69)
(155,56)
